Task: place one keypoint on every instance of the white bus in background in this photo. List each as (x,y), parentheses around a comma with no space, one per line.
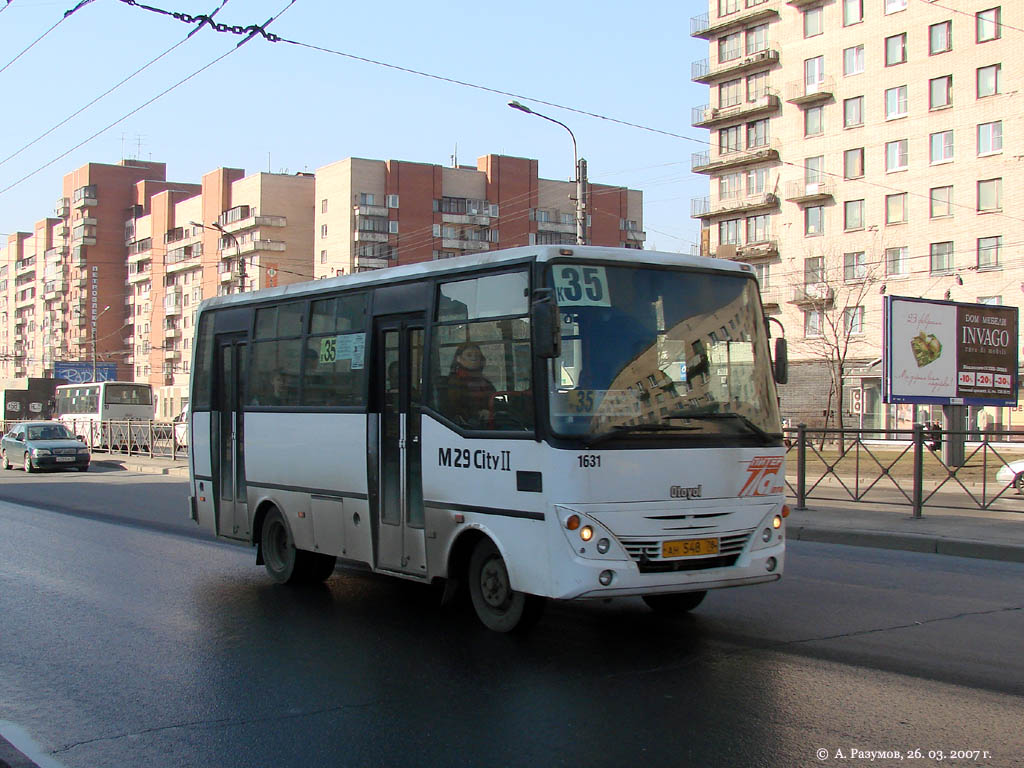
(539,422)
(102,412)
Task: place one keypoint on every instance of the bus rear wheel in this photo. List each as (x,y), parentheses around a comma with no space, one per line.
(497,605)
(284,563)
(677,602)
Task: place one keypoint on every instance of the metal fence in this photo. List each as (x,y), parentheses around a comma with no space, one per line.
(909,467)
(132,438)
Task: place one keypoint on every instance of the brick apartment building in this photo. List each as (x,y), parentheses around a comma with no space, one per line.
(117,273)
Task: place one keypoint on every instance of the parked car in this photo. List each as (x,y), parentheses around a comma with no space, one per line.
(43,445)
(1012,473)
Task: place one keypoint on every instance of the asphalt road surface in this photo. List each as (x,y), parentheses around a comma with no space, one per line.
(126,640)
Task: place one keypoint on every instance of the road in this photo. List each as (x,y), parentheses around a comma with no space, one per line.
(128,641)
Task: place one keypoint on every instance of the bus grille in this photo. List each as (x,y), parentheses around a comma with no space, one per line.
(647,554)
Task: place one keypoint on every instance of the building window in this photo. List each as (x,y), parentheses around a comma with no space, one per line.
(812,323)
(855,266)
(892,6)
(757,86)
(730,93)
(323,257)
(940,147)
(896,49)
(730,140)
(725,7)
(896,208)
(853,112)
(896,155)
(814,74)
(757,39)
(730,47)
(757,134)
(758,228)
(853,60)
(392,201)
(814,121)
(940,92)
(988,252)
(990,195)
(814,220)
(730,186)
(853,320)
(729,231)
(853,163)
(366,198)
(990,80)
(988,25)
(853,12)
(941,257)
(393,227)
(940,37)
(762,273)
(940,202)
(990,138)
(853,215)
(323,205)
(813,22)
(993,300)
(896,102)
(814,270)
(896,261)
(323,230)
(757,181)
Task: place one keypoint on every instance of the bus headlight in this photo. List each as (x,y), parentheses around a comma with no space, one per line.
(766,535)
(769,531)
(588,537)
(602,545)
(586,533)
(776,522)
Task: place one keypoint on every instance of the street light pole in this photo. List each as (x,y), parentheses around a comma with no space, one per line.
(581,173)
(94,341)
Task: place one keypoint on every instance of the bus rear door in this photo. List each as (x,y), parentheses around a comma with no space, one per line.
(228,453)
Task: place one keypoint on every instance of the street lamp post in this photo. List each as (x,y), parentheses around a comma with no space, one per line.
(238,248)
(581,173)
(94,341)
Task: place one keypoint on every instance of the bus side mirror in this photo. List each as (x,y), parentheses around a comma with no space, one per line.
(547,330)
(781,367)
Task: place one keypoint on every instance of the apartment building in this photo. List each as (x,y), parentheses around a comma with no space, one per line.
(376,213)
(860,148)
(117,274)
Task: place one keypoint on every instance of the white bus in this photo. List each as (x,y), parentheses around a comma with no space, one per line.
(539,422)
(101,412)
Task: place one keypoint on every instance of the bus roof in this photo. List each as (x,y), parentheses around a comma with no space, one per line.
(460,263)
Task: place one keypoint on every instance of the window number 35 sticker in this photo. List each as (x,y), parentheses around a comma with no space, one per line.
(581,286)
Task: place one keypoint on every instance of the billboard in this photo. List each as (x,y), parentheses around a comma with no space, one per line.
(81,373)
(949,353)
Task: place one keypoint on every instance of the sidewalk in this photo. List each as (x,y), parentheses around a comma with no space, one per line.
(966,532)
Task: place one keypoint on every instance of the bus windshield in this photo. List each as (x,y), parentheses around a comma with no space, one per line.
(649,353)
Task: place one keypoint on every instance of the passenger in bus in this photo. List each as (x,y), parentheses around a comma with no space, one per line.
(469,391)
(276,394)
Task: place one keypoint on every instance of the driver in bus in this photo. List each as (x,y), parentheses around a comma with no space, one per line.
(469,391)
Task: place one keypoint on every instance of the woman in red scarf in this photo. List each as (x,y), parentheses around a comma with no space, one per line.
(469,391)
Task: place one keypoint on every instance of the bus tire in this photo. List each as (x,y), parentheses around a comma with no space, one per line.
(676,602)
(497,605)
(279,554)
(316,566)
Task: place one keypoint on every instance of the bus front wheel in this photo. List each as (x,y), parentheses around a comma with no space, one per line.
(677,602)
(497,605)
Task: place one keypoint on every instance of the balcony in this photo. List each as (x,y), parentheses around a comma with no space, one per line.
(63,208)
(370,237)
(56,254)
(262,245)
(704,72)
(556,226)
(84,196)
(704,207)
(704,27)
(54,290)
(371,210)
(25,265)
(766,249)
(706,116)
(227,271)
(172,354)
(172,333)
(635,235)
(24,301)
(255,221)
(802,93)
(173,303)
(702,162)
(803,192)
(813,294)
(365,262)
(479,220)
(467,245)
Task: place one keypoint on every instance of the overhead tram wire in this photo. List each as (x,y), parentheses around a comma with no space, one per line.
(254,31)
(110,90)
(38,39)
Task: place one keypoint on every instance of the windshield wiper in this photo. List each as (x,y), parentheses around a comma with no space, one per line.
(632,429)
(719,415)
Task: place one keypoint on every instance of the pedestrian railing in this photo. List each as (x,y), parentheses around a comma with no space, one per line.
(903,467)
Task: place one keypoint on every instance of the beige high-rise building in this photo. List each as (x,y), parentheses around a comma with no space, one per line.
(862,148)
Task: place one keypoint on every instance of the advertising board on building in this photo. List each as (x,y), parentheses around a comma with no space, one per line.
(950,353)
(82,372)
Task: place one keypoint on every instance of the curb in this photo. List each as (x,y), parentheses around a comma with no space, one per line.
(146,469)
(910,543)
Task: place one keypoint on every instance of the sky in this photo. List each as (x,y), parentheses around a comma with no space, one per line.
(287,107)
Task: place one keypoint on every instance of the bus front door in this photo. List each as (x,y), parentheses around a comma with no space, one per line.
(229,452)
(399,376)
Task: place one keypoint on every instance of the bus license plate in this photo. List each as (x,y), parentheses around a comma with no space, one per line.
(689,547)
(65,458)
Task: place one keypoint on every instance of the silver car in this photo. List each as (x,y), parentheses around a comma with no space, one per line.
(36,445)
